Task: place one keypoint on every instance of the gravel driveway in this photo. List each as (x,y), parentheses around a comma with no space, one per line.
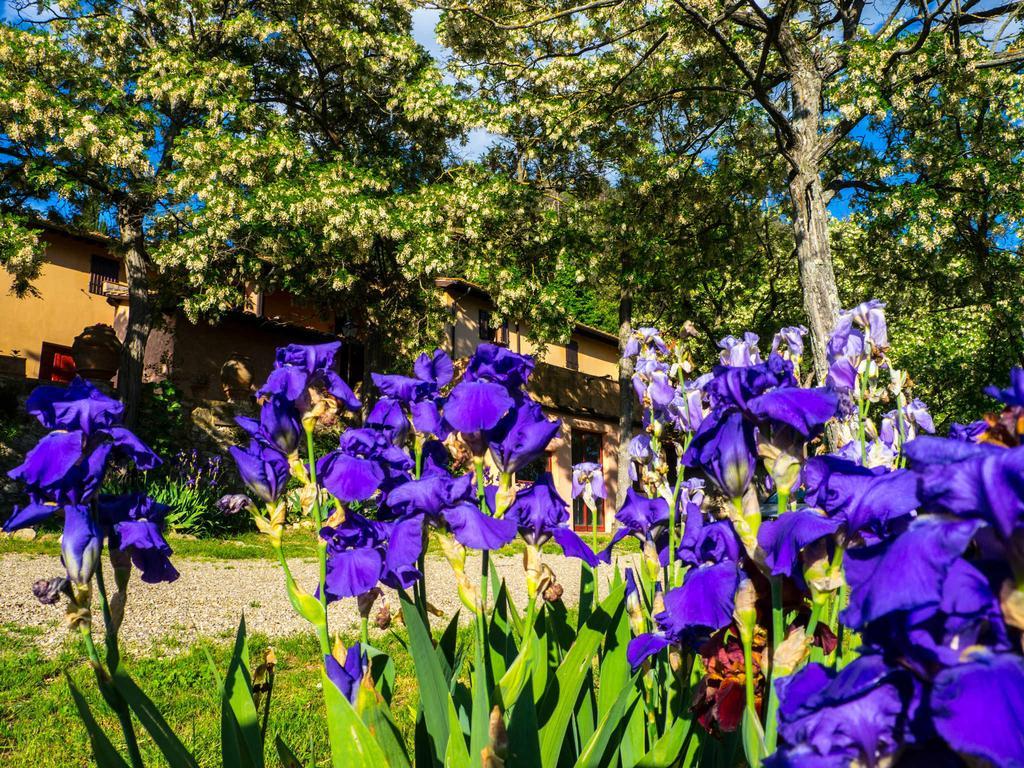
(210,595)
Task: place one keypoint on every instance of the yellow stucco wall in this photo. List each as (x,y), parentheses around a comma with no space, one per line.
(596,357)
(62,307)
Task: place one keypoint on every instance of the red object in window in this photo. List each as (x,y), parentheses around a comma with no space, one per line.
(56,363)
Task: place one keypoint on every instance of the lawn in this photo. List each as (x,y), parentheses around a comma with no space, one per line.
(253,545)
(39,727)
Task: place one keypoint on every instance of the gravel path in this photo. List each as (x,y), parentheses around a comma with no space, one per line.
(210,595)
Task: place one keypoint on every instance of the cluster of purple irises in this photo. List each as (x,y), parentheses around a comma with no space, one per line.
(398,460)
(394,479)
(63,475)
(911,546)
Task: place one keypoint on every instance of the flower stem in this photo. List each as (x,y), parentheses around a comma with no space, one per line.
(321,626)
(670,575)
(748,671)
(112,696)
(771,718)
(321,544)
(481,498)
(110,630)
(90,648)
(812,622)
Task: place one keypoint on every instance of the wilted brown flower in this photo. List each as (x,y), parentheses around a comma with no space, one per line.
(720,698)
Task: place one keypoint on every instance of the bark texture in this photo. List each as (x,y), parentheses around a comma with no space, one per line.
(810,216)
(133,251)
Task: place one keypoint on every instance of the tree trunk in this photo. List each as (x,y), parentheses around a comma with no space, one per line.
(810,216)
(814,255)
(136,262)
(625,386)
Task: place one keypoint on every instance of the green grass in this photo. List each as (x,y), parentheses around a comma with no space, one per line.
(39,726)
(298,543)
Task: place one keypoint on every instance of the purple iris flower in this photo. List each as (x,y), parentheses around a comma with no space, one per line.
(263,468)
(737,387)
(968,433)
(68,465)
(388,416)
(639,516)
(978,708)
(366,460)
(864,499)
(702,605)
(738,352)
(656,387)
(348,676)
(278,424)
(644,340)
(362,552)
(407,389)
(541,514)
(725,449)
(703,542)
(473,407)
(639,452)
(81,544)
(870,316)
(420,394)
(62,469)
(969,480)
(686,410)
(857,716)
(588,474)
(918,414)
(845,353)
(804,411)
(1013,394)
(436,367)
(451,502)
(916,417)
(135,524)
(79,406)
(935,635)
(499,365)
(521,436)
(647,340)
(784,537)
(793,337)
(299,368)
(905,573)
(352,475)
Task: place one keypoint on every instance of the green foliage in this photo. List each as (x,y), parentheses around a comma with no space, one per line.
(163,421)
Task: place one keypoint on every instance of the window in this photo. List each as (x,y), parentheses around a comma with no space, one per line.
(56,363)
(587,446)
(488,331)
(534,469)
(572,356)
(102,270)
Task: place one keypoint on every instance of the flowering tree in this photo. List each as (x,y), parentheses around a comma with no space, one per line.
(794,80)
(127,103)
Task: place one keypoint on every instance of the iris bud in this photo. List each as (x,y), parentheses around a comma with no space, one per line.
(820,575)
(532,569)
(790,654)
(745,610)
